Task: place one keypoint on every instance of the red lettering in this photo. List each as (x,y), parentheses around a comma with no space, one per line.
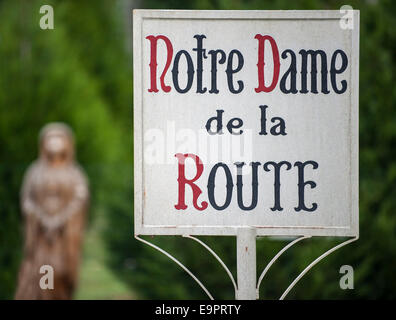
(153,62)
(181,205)
(260,64)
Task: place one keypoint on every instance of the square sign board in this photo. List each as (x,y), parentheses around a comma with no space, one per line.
(246,119)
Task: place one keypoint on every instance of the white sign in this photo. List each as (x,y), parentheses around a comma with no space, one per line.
(246,119)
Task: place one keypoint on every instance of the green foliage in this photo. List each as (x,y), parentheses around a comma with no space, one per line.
(47,76)
(80,73)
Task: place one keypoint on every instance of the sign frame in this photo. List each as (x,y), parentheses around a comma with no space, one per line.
(141,228)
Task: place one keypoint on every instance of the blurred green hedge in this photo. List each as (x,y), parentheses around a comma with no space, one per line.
(78,73)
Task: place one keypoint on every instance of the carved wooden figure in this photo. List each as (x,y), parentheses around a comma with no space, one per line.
(54,201)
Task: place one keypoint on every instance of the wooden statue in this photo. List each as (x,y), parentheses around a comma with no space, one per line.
(54,201)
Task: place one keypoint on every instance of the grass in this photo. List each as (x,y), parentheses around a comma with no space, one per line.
(97,280)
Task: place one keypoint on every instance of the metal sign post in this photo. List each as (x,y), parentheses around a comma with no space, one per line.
(246,264)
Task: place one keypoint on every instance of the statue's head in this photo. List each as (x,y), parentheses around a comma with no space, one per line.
(56,144)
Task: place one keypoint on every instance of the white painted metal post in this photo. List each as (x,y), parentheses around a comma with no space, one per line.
(246,264)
